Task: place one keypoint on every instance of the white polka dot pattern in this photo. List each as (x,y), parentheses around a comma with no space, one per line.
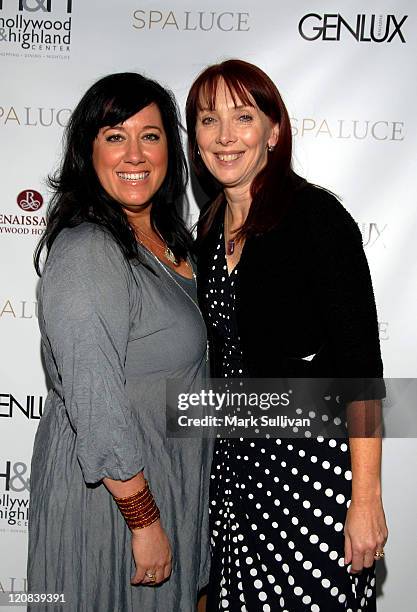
(277,507)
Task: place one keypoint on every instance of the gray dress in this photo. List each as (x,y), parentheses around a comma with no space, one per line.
(111,335)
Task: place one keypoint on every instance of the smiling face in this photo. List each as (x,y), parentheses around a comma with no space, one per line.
(233,139)
(131,158)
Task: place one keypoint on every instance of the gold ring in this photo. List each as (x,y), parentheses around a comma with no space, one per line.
(152,577)
(379,554)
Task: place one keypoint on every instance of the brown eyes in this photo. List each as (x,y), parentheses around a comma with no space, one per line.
(150,137)
(244,118)
(114,138)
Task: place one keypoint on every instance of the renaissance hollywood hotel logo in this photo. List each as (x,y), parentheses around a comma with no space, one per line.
(35,28)
(26,223)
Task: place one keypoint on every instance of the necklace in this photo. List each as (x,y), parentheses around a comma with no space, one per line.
(167,251)
(230,244)
(166,270)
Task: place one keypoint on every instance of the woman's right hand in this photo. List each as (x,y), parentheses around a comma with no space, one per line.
(152,553)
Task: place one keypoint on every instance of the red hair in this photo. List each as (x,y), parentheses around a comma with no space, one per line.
(246,83)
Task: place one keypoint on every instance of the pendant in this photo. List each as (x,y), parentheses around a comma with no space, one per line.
(170,255)
(230,249)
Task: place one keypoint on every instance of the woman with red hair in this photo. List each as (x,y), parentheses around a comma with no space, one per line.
(296,524)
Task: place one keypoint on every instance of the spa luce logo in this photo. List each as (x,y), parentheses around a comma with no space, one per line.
(34,116)
(12,308)
(378,130)
(191,21)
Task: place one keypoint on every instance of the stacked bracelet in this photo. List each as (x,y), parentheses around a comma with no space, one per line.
(139,510)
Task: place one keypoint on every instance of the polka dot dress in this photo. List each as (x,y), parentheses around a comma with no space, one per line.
(277,507)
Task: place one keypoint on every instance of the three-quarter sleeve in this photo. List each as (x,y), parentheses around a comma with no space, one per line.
(87,294)
(347,300)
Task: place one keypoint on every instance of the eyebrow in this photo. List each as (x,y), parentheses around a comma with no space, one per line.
(239,107)
(151,127)
(120,127)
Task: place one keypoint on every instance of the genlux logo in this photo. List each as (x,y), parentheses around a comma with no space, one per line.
(30,406)
(362,28)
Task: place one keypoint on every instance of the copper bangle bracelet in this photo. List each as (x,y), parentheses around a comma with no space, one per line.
(139,510)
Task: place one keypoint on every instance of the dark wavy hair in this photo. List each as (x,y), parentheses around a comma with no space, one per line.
(272,188)
(78,194)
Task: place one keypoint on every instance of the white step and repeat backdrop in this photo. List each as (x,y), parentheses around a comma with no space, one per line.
(346,71)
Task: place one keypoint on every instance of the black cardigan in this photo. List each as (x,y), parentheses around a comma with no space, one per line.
(303,288)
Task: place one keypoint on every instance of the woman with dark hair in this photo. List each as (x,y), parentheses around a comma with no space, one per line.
(118,317)
(284,287)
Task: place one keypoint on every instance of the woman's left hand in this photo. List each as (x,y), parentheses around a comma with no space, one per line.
(365,533)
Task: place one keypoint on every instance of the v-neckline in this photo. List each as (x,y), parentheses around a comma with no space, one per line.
(223,241)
